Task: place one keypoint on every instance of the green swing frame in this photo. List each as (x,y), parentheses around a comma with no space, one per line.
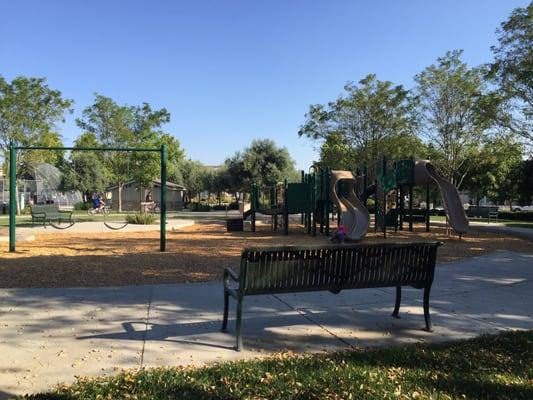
(13,148)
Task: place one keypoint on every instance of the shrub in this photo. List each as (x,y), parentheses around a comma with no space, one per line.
(199,207)
(141,218)
(220,207)
(516,216)
(82,206)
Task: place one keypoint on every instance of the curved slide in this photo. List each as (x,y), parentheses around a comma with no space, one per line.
(425,174)
(354,215)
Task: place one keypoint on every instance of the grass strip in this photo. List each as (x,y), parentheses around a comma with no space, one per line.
(487,367)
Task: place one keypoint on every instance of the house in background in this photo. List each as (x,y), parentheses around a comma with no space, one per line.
(133,196)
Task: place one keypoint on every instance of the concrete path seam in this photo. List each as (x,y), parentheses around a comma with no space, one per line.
(145,333)
(307,317)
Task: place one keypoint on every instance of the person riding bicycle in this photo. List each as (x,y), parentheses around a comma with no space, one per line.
(98,203)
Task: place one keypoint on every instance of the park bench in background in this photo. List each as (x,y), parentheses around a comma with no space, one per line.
(50,213)
(488,212)
(334,268)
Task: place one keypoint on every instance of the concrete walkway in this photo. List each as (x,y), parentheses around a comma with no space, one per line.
(52,335)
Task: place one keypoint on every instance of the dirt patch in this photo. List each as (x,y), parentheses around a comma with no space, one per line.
(194,254)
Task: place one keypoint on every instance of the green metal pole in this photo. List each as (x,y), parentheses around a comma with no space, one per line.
(12,195)
(163,227)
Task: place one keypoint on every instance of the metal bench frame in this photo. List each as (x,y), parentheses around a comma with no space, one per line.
(304,269)
(49,213)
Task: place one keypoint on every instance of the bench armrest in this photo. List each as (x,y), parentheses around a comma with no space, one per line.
(231,274)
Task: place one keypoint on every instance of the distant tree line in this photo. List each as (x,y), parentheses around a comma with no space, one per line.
(30,112)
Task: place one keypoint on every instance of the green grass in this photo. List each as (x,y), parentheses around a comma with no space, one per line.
(488,367)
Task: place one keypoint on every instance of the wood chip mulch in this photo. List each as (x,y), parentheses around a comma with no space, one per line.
(197,253)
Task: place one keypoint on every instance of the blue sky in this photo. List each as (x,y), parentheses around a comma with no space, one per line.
(230,71)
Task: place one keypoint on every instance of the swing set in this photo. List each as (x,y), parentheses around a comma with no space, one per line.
(13,148)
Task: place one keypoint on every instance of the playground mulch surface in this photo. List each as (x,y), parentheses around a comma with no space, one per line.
(197,253)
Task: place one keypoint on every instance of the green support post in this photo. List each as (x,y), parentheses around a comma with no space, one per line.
(286,209)
(327,199)
(427,209)
(313,202)
(253,199)
(163,227)
(303,214)
(410,208)
(12,195)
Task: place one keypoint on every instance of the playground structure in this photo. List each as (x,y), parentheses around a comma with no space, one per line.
(282,200)
(323,191)
(398,179)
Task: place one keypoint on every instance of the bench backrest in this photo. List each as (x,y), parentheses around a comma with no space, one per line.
(45,209)
(297,269)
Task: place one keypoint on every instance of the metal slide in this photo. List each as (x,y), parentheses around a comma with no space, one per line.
(354,215)
(425,174)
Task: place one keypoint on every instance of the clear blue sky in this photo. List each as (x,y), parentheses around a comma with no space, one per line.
(230,71)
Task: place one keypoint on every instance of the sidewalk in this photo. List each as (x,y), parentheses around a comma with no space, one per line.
(53,335)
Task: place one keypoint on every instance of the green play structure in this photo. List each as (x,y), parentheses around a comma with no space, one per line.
(397,177)
(282,200)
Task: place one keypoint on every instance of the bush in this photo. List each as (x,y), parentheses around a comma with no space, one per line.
(141,218)
(199,207)
(371,206)
(219,207)
(516,216)
(82,206)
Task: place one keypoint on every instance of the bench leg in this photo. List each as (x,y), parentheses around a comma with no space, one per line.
(239,320)
(398,301)
(226,306)
(426,308)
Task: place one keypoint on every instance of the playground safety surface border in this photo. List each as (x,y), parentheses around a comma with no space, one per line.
(194,254)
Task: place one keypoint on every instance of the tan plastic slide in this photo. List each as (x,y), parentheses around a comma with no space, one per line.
(425,174)
(354,215)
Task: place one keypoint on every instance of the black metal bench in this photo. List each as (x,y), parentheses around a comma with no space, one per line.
(50,212)
(334,268)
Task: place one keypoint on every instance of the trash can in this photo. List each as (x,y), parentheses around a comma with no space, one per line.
(234,224)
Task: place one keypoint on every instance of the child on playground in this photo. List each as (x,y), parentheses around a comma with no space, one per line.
(339,235)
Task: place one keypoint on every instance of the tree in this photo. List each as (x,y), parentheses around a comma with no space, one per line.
(193,177)
(360,122)
(495,170)
(456,111)
(513,69)
(525,185)
(127,126)
(86,171)
(29,112)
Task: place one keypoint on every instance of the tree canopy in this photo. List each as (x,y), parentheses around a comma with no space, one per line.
(360,123)
(513,69)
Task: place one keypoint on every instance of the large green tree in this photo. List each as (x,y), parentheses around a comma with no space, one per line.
(456,111)
(29,113)
(494,170)
(86,171)
(362,123)
(513,69)
(117,125)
